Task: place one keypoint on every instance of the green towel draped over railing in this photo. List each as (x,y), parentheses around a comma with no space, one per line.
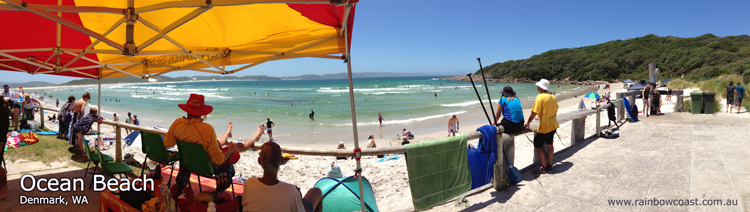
(438,171)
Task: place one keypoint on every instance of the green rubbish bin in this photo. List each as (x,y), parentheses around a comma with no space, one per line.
(708,102)
(696,100)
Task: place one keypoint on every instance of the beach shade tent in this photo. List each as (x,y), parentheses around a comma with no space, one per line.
(147,38)
(637,87)
(592,95)
(340,194)
(628,81)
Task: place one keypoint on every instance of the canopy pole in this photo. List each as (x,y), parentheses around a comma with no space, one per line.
(59,38)
(99,112)
(357,154)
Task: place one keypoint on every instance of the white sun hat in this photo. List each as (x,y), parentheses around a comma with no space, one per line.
(544,84)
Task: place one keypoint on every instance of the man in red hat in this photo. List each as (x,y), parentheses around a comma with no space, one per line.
(192,129)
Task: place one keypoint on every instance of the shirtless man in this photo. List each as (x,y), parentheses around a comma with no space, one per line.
(453,125)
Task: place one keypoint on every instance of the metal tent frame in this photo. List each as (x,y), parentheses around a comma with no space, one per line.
(130,17)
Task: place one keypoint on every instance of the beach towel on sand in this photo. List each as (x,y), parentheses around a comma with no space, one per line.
(438,171)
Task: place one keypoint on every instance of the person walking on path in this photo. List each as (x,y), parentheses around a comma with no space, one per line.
(380,119)
(741,93)
(729,92)
(453,125)
(645,94)
(269,125)
(510,108)
(546,107)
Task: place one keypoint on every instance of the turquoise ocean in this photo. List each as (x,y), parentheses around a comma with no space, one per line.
(402,101)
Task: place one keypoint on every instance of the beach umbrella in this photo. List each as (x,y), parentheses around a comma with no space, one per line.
(628,81)
(147,38)
(592,95)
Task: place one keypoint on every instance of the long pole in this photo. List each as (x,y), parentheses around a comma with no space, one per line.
(488,91)
(357,154)
(480,98)
(99,111)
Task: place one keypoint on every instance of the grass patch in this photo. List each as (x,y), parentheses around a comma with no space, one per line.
(51,149)
(681,84)
(718,84)
(688,106)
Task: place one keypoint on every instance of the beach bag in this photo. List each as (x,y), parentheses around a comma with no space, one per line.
(335,172)
(31,138)
(633,110)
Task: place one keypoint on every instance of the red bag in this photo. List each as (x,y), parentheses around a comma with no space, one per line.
(232,159)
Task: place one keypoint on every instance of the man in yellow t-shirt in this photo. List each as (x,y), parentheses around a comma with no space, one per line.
(546,107)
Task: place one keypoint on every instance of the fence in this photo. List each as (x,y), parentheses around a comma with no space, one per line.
(578,131)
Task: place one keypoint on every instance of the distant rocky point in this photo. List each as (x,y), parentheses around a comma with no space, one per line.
(478,78)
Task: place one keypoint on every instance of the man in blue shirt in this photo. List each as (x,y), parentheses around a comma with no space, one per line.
(740,93)
(510,107)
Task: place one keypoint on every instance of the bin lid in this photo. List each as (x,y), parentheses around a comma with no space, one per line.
(709,94)
(696,93)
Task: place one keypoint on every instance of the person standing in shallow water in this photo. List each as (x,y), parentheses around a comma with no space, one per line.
(312,115)
(453,125)
(380,119)
(269,125)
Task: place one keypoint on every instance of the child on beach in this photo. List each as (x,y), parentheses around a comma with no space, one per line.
(380,119)
(128,121)
(546,107)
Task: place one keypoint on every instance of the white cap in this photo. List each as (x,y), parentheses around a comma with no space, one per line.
(341,142)
(544,84)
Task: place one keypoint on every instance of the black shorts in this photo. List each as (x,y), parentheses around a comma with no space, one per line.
(730,101)
(738,102)
(308,205)
(544,138)
(511,127)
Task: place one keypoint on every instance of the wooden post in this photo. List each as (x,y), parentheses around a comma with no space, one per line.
(500,163)
(620,107)
(598,121)
(118,140)
(41,117)
(577,130)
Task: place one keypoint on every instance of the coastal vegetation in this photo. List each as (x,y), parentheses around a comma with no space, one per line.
(716,85)
(698,58)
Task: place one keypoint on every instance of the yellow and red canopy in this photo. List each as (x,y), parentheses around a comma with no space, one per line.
(167,35)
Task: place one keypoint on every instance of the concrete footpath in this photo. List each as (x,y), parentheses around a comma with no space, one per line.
(678,156)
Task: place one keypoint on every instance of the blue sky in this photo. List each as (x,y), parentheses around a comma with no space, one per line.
(445,37)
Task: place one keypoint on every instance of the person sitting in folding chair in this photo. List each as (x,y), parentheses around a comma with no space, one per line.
(192,129)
